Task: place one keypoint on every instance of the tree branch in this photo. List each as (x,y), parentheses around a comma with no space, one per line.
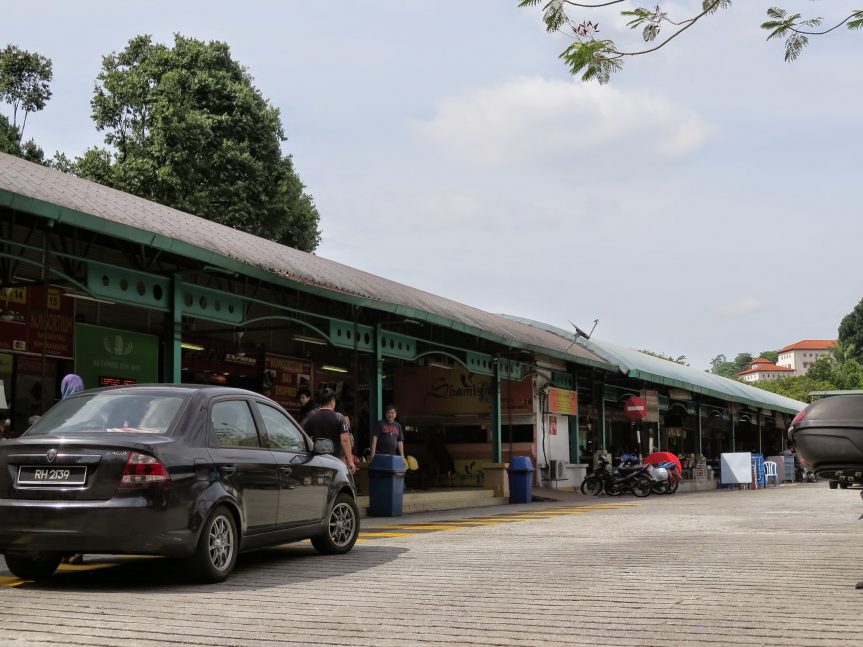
(856,14)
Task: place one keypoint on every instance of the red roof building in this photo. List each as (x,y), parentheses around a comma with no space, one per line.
(763,369)
(801,356)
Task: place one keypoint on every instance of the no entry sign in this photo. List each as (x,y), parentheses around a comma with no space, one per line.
(635,408)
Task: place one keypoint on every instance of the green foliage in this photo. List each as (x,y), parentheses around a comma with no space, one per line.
(25,79)
(680,359)
(720,365)
(597,59)
(186,127)
(851,333)
(826,374)
(772,355)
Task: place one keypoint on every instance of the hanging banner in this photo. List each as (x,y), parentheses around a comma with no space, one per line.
(429,390)
(33,322)
(111,357)
(562,401)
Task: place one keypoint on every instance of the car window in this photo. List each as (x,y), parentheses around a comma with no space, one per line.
(283,433)
(233,425)
(110,411)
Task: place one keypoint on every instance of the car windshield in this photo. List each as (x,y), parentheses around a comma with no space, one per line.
(109,412)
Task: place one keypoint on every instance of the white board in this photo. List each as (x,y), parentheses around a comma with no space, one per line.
(736,468)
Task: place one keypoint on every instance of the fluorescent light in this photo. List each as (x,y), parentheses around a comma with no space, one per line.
(85,297)
(333,369)
(311,340)
(437,364)
(189,346)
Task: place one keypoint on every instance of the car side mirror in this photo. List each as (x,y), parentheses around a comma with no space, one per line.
(324,446)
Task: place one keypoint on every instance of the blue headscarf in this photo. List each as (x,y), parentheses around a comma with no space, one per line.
(70,385)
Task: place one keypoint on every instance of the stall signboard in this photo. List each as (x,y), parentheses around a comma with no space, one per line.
(562,401)
(111,356)
(429,390)
(35,322)
(283,377)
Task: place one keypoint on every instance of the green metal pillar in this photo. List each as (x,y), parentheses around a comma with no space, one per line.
(700,450)
(496,450)
(733,443)
(173,352)
(760,448)
(376,383)
(574,452)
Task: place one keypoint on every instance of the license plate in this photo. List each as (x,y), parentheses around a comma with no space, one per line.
(43,475)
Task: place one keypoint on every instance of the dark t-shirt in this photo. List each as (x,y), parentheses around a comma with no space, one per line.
(326,423)
(388,435)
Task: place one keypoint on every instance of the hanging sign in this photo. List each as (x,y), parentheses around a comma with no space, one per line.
(562,401)
(635,408)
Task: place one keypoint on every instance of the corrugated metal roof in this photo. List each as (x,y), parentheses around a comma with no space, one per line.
(50,193)
(654,369)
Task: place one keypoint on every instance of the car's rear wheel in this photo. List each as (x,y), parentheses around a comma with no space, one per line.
(216,553)
(342,528)
(35,566)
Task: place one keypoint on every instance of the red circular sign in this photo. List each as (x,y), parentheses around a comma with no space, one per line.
(635,408)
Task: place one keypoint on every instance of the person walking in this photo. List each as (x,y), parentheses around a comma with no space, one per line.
(326,422)
(70,385)
(388,436)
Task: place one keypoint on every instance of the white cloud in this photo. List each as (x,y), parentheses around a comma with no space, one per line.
(740,307)
(530,121)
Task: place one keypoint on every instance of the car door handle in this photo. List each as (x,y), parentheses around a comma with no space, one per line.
(227,470)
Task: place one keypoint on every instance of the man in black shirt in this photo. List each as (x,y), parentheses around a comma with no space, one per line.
(307,405)
(388,437)
(327,423)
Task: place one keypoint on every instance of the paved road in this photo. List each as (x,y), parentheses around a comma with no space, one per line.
(772,567)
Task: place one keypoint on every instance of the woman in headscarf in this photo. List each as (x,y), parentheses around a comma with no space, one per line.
(70,385)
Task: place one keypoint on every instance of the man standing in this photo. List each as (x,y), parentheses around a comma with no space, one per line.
(388,437)
(325,422)
(307,406)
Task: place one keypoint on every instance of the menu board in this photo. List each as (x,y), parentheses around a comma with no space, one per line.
(283,377)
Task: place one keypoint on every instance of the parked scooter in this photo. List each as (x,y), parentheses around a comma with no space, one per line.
(627,479)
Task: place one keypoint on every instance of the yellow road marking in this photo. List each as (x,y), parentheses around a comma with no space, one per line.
(387,534)
(11,581)
(92,566)
(420,527)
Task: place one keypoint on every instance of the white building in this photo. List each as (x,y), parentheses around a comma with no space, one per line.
(764,369)
(801,356)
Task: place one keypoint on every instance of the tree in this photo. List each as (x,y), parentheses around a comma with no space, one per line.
(25,79)
(771,355)
(851,333)
(598,58)
(187,128)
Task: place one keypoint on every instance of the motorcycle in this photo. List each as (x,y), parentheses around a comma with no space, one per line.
(626,479)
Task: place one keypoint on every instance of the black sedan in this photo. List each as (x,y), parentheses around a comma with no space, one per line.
(200,473)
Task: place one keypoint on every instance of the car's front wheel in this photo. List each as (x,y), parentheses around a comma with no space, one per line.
(34,566)
(216,553)
(342,528)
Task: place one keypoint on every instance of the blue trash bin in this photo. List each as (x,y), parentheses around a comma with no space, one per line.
(520,480)
(386,485)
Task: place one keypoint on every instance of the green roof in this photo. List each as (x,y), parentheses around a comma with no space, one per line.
(640,365)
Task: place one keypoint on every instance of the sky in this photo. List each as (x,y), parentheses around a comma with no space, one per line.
(701,203)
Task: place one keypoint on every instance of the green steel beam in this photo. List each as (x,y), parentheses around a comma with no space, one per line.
(496,449)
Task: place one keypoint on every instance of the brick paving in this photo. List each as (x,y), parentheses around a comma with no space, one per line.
(770,567)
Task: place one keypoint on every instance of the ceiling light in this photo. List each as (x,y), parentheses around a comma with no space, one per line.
(311,340)
(86,297)
(436,364)
(333,369)
(189,346)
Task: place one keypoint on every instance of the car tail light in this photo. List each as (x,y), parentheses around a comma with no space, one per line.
(144,471)
(800,415)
